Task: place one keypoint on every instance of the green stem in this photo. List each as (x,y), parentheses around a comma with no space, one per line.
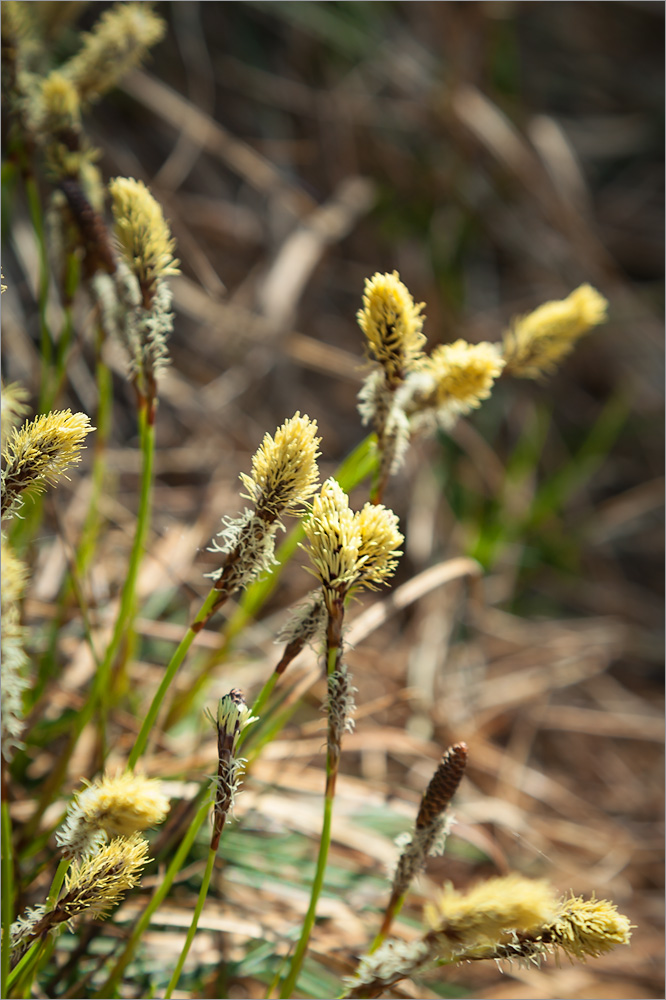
(22,966)
(109,988)
(289,984)
(46,341)
(392,910)
(7,892)
(100,684)
(203,892)
(169,674)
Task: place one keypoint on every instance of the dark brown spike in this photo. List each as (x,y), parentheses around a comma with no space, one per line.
(443,785)
(94,234)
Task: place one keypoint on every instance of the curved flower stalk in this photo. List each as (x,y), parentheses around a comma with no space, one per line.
(430,832)
(283,477)
(409,392)
(233,716)
(510,918)
(39,454)
(348,551)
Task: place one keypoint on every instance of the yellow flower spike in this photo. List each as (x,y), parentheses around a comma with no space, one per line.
(116,806)
(334,538)
(535,344)
(92,887)
(460,376)
(58,104)
(13,407)
(392,325)
(40,453)
(143,233)
(95,884)
(380,544)
(284,468)
(117,43)
(477,920)
(589,927)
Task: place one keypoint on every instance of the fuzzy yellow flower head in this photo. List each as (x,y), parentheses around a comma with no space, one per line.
(57,104)
(348,549)
(40,452)
(460,376)
(477,921)
(589,927)
(114,806)
(380,544)
(334,537)
(93,885)
(143,233)
(536,343)
(117,43)
(392,325)
(284,468)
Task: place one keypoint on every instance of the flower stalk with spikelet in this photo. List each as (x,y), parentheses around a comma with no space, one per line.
(284,475)
(39,454)
(348,551)
(535,344)
(14,659)
(510,918)
(92,887)
(429,834)
(233,716)
(410,392)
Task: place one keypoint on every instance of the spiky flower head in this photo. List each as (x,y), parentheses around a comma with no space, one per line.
(57,104)
(93,886)
(392,325)
(454,380)
(348,549)
(232,717)
(40,453)
(284,468)
(589,927)
(115,806)
(13,402)
(380,544)
(117,43)
(143,234)
(334,538)
(535,344)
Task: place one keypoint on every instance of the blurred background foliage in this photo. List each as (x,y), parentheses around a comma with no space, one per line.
(497,155)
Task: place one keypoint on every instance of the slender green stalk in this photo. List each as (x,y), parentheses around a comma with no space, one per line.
(100,685)
(332,761)
(46,340)
(22,966)
(169,674)
(7,892)
(203,892)
(392,910)
(45,946)
(109,988)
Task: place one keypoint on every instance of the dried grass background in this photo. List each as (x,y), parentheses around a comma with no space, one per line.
(497,155)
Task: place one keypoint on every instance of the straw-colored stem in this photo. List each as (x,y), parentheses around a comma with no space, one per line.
(7,892)
(332,762)
(169,674)
(110,986)
(203,892)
